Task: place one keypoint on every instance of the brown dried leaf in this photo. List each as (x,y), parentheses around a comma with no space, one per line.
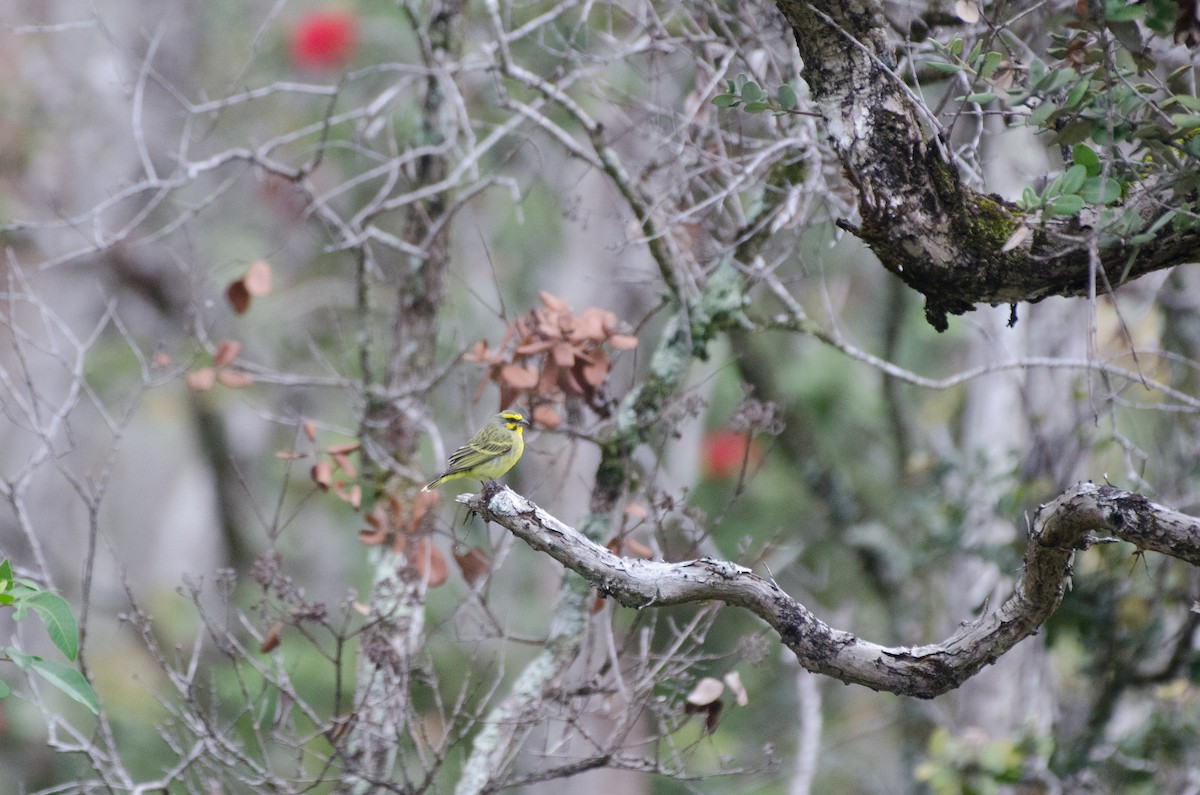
(201,380)
(310,430)
(569,383)
(595,371)
(345,464)
(161,359)
(361,609)
(372,537)
(343,448)
(227,351)
(289,455)
(636,549)
(271,639)
(734,681)
(563,354)
(553,302)
(635,510)
(546,417)
(597,605)
(623,342)
(234,379)
(614,545)
(355,496)
(322,475)
(534,348)
(593,324)
(519,377)
(429,562)
(706,691)
(477,353)
(238,297)
(474,564)
(257,279)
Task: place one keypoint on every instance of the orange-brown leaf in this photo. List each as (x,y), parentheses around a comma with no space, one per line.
(289,455)
(553,302)
(343,448)
(593,324)
(623,342)
(429,562)
(201,380)
(636,549)
(345,464)
(477,353)
(238,297)
(519,377)
(234,379)
(227,351)
(271,639)
(310,430)
(563,354)
(322,475)
(546,417)
(597,604)
(257,279)
(474,564)
(595,371)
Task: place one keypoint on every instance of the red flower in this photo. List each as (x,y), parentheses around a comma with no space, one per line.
(722,453)
(324,40)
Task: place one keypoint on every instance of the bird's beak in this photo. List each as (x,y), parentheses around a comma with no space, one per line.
(526,423)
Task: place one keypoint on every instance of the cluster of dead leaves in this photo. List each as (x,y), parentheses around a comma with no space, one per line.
(550,354)
(334,470)
(401,524)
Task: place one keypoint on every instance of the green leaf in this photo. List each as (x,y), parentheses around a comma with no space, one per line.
(1075,97)
(1188,101)
(1118,11)
(1041,114)
(1074,132)
(69,681)
(55,613)
(991,62)
(1186,121)
(787,97)
(945,68)
(1086,156)
(1095,193)
(751,92)
(5,574)
(956,47)
(726,101)
(756,107)
(5,690)
(981,98)
(1055,80)
(1073,179)
(973,56)
(1069,204)
(1030,199)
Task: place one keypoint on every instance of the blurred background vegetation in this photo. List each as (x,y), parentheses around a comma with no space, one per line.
(151,154)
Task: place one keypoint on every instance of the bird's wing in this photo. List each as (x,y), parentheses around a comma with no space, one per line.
(475,453)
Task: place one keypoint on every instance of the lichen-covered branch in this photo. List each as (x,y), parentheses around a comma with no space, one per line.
(942,238)
(1062,527)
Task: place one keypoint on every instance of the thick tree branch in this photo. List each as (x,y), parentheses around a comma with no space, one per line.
(942,238)
(1061,527)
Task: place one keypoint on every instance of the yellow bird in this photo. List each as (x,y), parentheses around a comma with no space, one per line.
(488,454)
